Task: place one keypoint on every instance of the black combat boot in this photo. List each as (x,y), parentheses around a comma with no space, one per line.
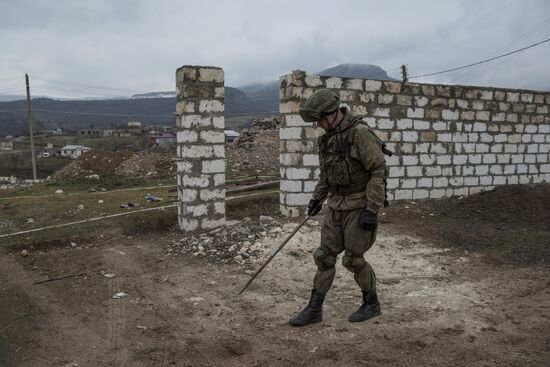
(313,311)
(368,309)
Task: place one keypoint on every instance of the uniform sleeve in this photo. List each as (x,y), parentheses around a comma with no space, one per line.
(369,151)
(321,189)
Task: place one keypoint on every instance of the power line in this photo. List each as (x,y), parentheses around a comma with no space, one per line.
(88,113)
(8,79)
(525,35)
(465,75)
(64,93)
(483,61)
(89,86)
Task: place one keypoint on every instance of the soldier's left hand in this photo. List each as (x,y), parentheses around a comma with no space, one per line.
(368,220)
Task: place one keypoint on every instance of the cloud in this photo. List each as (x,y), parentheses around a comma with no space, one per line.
(138,45)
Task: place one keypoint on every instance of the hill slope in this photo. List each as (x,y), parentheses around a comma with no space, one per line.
(156,107)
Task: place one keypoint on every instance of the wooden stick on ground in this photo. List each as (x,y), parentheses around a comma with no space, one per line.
(6,328)
(58,278)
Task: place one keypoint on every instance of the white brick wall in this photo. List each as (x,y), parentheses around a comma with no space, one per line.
(447,140)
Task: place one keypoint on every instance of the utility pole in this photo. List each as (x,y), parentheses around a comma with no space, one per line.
(31,135)
(404,73)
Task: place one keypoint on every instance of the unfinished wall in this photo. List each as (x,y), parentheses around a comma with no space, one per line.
(448,140)
(200,147)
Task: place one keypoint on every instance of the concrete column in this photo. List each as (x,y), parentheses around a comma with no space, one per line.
(200,147)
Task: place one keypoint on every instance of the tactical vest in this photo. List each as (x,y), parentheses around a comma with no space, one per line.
(345,175)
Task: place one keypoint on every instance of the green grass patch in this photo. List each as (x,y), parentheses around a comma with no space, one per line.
(105,181)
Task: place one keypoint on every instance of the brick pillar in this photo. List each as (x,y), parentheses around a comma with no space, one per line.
(200,147)
(298,150)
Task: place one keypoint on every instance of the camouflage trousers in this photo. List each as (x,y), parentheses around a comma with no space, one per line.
(341,232)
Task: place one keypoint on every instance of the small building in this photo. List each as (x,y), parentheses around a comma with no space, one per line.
(134,124)
(6,145)
(73,151)
(57,131)
(230,135)
(163,140)
(95,133)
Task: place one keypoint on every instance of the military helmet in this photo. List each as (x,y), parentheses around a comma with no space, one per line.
(320,103)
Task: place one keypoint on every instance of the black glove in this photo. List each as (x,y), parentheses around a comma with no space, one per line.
(368,220)
(314,207)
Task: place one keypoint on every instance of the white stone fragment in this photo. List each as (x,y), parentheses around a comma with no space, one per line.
(219,207)
(210,106)
(196,151)
(297,199)
(291,185)
(195,181)
(186,224)
(334,83)
(311,160)
(290,133)
(208,195)
(186,136)
(372,85)
(449,114)
(214,166)
(211,75)
(313,81)
(212,136)
(218,122)
(298,173)
(187,195)
(415,112)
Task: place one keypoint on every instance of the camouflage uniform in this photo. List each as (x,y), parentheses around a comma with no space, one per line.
(353,176)
(353,173)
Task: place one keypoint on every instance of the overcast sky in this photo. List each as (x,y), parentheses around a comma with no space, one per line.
(138,44)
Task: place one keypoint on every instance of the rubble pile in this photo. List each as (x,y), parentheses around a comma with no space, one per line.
(93,162)
(254,155)
(268,123)
(157,162)
(236,242)
(246,139)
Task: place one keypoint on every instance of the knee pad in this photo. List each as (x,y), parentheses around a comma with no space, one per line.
(324,258)
(353,263)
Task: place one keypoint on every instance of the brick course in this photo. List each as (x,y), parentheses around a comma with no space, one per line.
(448,140)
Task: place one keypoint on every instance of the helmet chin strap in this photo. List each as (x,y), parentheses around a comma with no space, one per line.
(334,122)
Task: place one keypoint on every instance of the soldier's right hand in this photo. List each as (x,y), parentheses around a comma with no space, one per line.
(314,207)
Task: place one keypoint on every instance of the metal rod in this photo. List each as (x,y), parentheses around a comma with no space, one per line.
(273,254)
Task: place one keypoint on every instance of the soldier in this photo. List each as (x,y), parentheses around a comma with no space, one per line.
(353,174)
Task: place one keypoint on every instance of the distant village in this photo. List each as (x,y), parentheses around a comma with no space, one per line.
(149,136)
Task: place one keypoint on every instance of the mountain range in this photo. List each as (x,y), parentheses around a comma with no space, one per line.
(261,99)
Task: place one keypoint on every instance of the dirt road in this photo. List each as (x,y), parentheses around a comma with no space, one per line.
(443,303)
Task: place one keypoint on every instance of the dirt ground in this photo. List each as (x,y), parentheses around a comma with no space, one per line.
(462,282)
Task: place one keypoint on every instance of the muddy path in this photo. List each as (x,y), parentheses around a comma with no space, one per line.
(440,307)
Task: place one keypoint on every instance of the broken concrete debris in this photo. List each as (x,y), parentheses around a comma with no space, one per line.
(236,242)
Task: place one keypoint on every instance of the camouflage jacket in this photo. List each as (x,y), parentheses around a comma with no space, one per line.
(353,167)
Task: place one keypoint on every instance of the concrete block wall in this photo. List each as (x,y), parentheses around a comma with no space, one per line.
(200,147)
(448,140)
